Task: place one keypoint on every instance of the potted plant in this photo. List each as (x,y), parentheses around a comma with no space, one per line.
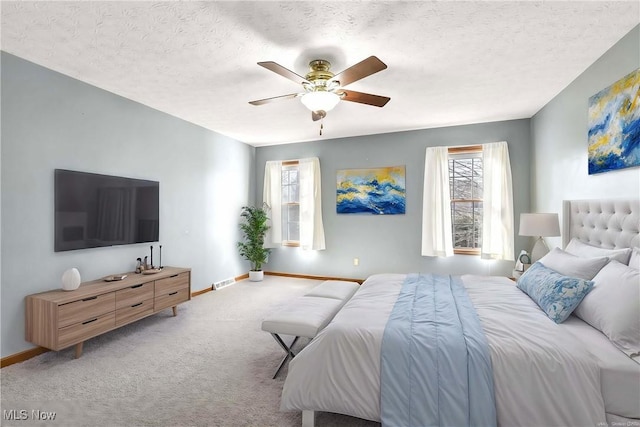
(254,227)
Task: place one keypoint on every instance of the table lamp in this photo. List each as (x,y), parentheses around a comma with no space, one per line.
(539,225)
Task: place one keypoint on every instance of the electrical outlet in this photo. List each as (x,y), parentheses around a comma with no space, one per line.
(356,261)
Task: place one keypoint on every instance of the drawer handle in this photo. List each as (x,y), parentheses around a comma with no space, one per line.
(175,275)
(89,299)
(136,286)
(89,321)
(173,293)
(136,305)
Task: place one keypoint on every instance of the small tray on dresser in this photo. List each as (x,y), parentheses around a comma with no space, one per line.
(115,277)
(152,271)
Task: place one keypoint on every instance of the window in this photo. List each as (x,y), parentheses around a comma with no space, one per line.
(468,198)
(290,204)
(466,182)
(292,189)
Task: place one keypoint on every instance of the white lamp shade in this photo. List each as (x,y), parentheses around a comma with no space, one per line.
(539,224)
(320,100)
(71,279)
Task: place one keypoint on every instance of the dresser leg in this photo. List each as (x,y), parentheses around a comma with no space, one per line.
(175,311)
(79,349)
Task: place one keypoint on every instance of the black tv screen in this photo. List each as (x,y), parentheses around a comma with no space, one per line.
(94,210)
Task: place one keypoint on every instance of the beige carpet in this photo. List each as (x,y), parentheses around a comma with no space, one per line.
(209,366)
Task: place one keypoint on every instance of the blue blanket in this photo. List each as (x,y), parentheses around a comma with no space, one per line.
(435,362)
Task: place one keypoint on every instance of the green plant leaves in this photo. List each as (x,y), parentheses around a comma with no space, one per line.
(254,227)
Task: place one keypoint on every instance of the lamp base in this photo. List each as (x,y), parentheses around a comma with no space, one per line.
(539,250)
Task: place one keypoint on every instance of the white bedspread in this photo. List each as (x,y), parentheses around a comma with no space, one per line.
(619,374)
(543,376)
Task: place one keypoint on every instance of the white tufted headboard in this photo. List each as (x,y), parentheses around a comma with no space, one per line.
(610,224)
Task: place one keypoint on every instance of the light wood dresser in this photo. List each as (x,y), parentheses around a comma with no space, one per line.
(58,319)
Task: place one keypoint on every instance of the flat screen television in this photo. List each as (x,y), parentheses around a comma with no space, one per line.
(93,210)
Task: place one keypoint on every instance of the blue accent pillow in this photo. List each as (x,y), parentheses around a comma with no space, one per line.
(557,295)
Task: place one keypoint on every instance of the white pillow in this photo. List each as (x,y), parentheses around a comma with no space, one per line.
(613,306)
(634,261)
(571,265)
(579,248)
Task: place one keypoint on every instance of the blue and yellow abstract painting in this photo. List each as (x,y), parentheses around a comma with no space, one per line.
(379,191)
(614,126)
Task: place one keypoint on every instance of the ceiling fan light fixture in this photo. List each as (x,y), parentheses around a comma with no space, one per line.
(320,100)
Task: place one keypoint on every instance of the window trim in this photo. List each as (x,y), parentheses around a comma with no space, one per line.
(469,149)
(290,243)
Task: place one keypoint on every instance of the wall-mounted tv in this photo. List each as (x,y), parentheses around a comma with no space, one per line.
(94,210)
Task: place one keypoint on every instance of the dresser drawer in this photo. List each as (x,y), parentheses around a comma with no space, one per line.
(133,312)
(86,309)
(134,294)
(171,299)
(171,284)
(84,330)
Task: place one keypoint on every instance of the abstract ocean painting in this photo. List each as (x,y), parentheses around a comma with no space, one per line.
(614,126)
(379,191)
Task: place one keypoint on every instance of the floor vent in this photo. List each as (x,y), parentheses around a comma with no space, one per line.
(223,283)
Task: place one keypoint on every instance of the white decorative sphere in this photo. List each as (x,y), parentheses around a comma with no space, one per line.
(71,279)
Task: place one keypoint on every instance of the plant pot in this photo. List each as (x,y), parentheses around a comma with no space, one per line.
(256,276)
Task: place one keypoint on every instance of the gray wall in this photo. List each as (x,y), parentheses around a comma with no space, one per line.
(559,137)
(51,121)
(391,244)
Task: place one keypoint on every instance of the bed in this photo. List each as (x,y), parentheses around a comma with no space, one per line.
(543,372)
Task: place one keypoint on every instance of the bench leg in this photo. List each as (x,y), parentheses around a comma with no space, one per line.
(308,418)
(287,349)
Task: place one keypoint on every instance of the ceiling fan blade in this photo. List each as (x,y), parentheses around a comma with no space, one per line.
(362,69)
(279,69)
(275,98)
(317,115)
(364,98)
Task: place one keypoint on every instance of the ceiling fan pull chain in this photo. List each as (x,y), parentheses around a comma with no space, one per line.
(321,126)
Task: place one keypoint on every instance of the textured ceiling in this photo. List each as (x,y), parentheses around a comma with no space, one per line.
(449,63)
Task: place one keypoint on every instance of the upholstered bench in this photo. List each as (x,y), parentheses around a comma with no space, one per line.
(307,315)
(336,289)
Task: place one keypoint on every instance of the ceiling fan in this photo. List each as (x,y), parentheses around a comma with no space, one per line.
(323,90)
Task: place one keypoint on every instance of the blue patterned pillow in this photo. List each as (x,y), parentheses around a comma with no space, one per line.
(557,295)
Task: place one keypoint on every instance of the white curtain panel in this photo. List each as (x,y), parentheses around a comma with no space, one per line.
(497,222)
(272,196)
(311,228)
(436,204)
